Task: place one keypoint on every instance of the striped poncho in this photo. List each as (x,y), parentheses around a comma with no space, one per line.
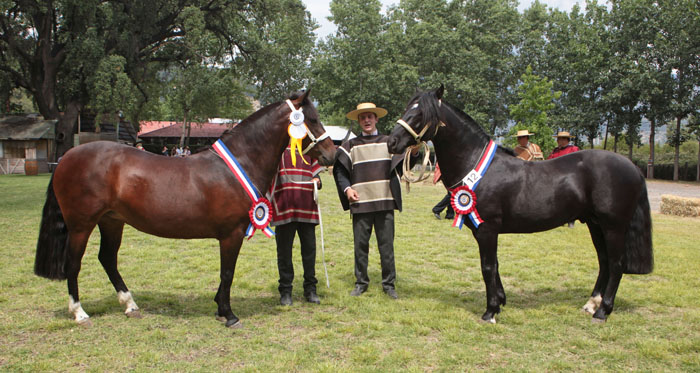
(365,164)
(292,202)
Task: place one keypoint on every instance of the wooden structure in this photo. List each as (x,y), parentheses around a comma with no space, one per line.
(26,141)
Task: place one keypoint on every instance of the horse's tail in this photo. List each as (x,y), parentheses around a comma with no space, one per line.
(53,239)
(639,254)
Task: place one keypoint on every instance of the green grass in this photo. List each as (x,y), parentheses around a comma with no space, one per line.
(434,326)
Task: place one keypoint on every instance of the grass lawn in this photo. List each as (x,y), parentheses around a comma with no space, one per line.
(433,326)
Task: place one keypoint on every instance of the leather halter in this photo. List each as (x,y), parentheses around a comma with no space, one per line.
(314,140)
(418,136)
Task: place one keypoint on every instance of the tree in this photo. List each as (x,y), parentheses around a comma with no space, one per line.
(678,45)
(359,63)
(536,100)
(54,48)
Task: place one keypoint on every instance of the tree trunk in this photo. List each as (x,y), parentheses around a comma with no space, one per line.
(631,145)
(184,131)
(65,128)
(652,134)
(605,141)
(697,167)
(676,156)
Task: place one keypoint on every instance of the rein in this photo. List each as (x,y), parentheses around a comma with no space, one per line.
(408,175)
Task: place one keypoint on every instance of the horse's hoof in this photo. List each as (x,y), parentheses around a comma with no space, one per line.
(85,323)
(219,318)
(135,314)
(234,324)
(588,310)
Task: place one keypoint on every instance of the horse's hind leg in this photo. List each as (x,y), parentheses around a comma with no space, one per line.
(603,272)
(76,248)
(615,243)
(111,238)
(229,248)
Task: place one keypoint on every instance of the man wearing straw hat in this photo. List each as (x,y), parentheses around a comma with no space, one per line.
(563,140)
(367,178)
(526,150)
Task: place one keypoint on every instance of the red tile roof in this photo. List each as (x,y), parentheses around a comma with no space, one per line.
(173,129)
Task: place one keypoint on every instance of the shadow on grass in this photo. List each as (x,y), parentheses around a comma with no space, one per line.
(177,305)
(474,301)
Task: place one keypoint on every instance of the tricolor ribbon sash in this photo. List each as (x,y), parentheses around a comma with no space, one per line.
(464,197)
(260,212)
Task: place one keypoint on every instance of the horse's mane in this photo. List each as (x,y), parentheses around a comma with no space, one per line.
(429,104)
(253,117)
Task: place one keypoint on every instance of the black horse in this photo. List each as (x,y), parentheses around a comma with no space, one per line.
(601,189)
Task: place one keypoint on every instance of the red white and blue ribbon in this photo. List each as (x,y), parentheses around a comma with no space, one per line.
(260,212)
(464,197)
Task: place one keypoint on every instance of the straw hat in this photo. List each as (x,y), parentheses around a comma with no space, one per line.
(522,133)
(366,107)
(564,134)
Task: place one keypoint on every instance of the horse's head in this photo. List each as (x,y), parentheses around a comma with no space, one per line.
(421,115)
(317,142)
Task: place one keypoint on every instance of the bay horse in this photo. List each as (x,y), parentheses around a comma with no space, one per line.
(109,185)
(602,189)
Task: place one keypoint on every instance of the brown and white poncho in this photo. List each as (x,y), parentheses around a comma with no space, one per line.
(365,164)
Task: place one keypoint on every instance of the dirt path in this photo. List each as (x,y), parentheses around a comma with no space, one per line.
(656,188)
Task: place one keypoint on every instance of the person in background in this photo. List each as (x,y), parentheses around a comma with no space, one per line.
(564,146)
(526,150)
(367,178)
(165,151)
(445,202)
(295,212)
(139,146)
(186,152)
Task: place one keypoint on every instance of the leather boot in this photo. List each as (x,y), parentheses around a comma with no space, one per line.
(312,297)
(286,299)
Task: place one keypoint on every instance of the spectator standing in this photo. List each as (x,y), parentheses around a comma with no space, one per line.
(564,145)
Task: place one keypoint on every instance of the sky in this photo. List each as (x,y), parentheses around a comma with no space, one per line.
(320,10)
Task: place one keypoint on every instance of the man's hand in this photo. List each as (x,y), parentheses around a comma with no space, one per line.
(352,195)
(317,181)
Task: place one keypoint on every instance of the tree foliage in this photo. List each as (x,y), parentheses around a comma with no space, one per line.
(67,53)
(537,99)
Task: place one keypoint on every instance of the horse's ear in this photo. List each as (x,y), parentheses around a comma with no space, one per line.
(299,101)
(440,91)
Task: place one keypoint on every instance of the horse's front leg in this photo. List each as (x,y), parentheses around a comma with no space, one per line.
(229,248)
(495,295)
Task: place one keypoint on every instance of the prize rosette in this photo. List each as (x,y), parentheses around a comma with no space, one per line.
(260,216)
(296,132)
(463,200)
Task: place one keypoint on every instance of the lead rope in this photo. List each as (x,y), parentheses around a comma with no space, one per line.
(408,175)
(323,246)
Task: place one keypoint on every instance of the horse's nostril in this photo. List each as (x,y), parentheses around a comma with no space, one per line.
(391,143)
